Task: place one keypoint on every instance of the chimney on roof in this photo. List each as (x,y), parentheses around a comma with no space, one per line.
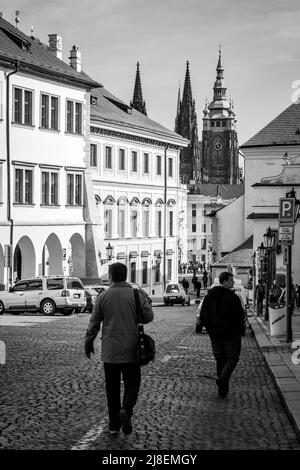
(55,45)
(75,58)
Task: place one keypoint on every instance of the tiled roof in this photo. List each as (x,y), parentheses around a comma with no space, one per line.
(111,110)
(283,130)
(241,255)
(38,58)
(225,191)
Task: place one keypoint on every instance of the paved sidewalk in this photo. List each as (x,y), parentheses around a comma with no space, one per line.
(282,360)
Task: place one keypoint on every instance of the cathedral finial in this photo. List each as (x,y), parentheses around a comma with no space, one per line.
(187,89)
(137,101)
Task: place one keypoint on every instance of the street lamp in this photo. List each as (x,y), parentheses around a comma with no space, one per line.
(269,239)
(109,250)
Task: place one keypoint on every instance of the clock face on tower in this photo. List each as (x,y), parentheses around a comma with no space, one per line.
(218,144)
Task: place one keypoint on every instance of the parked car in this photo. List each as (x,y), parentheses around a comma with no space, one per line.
(45,294)
(175,294)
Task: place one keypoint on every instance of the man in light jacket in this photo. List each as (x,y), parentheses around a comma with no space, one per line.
(115,309)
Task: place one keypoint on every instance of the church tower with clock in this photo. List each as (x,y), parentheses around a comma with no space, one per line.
(219,162)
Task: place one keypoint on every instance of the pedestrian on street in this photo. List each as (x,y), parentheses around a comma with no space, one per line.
(205,277)
(198,288)
(223,316)
(259,296)
(185,285)
(115,310)
(194,282)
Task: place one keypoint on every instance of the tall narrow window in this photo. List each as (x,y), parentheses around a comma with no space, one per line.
(49,112)
(158,164)
(108,158)
(134,161)
(170,163)
(54,189)
(54,113)
(23,186)
(146,162)
(28,107)
(133,223)
(45,111)
(74,189)
(158,224)
(45,187)
(157,274)
(70,116)
(194,211)
(204,228)
(171,224)
(121,222)
(78,190)
(93,155)
(194,228)
(22,106)
(146,221)
(18,105)
(169,269)
(78,118)
(74,117)
(108,223)
(70,189)
(49,188)
(133,272)
(19,186)
(145,273)
(121,159)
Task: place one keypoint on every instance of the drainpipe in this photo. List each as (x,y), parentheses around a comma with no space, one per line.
(165,219)
(10,220)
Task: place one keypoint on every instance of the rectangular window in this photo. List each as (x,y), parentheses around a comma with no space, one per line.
(133,224)
(134,161)
(45,187)
(146,222)
(145,273)
(223,124)
(218,123)
(158,165)
(74,117)
(121,159)
(23,186)
(93,155)
(146,163)
(169,269)
(74,189)
(22,106)
(203,244)
(107,223)
(194,228)
(171,223)
(78,118)
(204,228)
(203,259)
(158,224)
(49,112)
(121,222)
(157,274)
(170,163)
(194,211)
(212,124)
(54,189)
(70,116)
(108,159)
(133,272)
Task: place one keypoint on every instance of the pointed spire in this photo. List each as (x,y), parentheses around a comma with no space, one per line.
(187,89)
(137,101)
(178,100)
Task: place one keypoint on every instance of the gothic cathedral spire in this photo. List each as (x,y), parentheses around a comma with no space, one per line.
(186,125)
(137,101)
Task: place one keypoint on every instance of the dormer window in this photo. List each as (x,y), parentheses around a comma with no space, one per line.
(19,40)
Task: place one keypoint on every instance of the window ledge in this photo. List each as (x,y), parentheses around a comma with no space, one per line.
(48,129)
(73,206)
(23,204)
(20,124)
(50,206)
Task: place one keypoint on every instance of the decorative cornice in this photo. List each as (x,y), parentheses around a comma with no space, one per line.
(132,138)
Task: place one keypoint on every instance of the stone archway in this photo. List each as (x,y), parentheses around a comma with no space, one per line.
(76,256)
(52,256)
(24,259)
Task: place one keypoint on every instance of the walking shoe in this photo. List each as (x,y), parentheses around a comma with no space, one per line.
(114,431)
(223,388)
(126,422)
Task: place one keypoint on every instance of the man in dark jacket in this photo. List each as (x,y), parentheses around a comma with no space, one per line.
(223,316)
(115,309)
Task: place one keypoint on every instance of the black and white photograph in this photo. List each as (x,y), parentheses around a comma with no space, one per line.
(149,230)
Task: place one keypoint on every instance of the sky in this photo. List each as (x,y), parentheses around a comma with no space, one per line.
(259,40)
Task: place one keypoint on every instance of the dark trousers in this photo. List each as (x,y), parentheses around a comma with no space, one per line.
(226,354)
(259,305)
(131,374)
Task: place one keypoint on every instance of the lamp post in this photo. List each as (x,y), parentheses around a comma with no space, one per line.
(290,306)
(269,239)
(109,251)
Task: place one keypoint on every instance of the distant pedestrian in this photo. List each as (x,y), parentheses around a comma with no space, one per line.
(194,282)
(223,316)
(205,277)
(198,288)
(185,285)
(115,310)
(259,296)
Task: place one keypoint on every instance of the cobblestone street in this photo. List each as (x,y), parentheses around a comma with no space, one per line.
(52,397)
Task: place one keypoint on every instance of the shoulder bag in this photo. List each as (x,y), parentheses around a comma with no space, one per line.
(145,350)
